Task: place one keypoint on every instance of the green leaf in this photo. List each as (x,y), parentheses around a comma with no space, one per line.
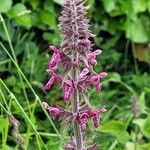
(5,5)
(24,21)
(117,129)
(11,81)
(51,37)
(144,125)
(20,13)
(142,102)
(16,9)
(34,3)
(135,31)
(148,5)
(139,6)
(131,146)
(115,76)
(48,18)
(109,5)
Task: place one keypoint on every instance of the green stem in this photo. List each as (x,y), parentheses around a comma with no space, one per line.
(36,96)
(15,59)
(4,99)
(135,62)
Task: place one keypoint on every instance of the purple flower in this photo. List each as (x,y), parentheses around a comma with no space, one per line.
(68,90)
(95,116)
(54,111)
(75,55)
(56,58)
(95,80)
(54,77)
(84,45)
(82,120)
(83,74)
(91,57)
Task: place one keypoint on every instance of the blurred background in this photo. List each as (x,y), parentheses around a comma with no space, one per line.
(122,29)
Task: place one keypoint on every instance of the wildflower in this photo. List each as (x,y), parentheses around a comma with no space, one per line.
(56,58)
(95,116)
(54,111)
(84,45)
(83,74)
(54,77)
(82,120)
(76,58)
(68,90)
(91,57)
(95,80)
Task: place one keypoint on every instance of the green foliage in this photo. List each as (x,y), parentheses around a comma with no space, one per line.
(122,29)
(117,129)
(5,5)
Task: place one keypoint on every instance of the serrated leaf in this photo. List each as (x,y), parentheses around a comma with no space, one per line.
(5,5)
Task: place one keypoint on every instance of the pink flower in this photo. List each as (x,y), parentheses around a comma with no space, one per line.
(56,58)
(54,111)
(82,120)
(83,74)
(54,77)
(68,90)
(92,57)
(84,45)
(96,80)
(59,112)
(95,116)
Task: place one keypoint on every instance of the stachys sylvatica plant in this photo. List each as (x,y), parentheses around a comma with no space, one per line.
(76,58)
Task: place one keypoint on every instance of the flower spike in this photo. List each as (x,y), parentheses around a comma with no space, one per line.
(76,59)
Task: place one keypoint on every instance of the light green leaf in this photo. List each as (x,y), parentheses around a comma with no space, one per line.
(139,6)
(117,129)
(109,5)
(142,102)
(131,146)
(135,31)
(5,5)
(24,21)
(144,125)
(115,76)
(148,5)
(17,9)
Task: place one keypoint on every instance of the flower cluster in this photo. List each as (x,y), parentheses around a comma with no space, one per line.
(76,58)
(94,115)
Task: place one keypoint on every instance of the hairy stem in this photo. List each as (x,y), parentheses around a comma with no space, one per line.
(75,106)
(75,103)
(77,129)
